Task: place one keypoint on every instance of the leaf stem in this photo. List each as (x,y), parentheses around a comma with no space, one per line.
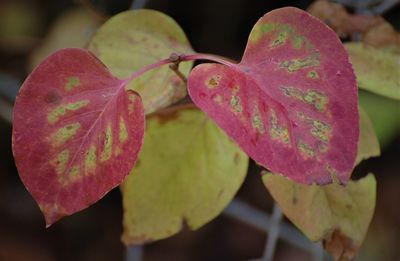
(175,67)
(273,235)
(175,59)
(210,57)
(147,68)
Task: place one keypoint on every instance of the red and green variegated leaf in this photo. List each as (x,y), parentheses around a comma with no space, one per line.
(291,103)
(77,132)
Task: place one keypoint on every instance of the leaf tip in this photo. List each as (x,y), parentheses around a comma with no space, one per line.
(51,216)
(340,246)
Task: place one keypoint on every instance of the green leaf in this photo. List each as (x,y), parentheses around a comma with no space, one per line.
(377,70)
(384,114)
(187,172)
(338,215)
(134,39)
(368,145)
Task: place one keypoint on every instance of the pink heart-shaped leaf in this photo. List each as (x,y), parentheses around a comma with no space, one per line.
(77,132)
(291,103)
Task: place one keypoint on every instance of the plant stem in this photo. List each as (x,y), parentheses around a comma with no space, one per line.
(175,68)
(273,235)
(317,252)
(175,59)
(260,220)
(147,68)
(134,253)
(210,57)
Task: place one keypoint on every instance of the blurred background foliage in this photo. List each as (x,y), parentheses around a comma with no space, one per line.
(32,29)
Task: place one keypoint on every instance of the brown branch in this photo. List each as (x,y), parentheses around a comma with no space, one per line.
(176,59)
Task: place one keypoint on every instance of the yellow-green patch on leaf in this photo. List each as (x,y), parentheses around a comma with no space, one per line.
(73,82)
(54,115)
(63,134)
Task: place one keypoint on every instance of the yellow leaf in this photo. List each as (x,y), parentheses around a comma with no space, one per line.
(338,215)
(377,69)
(187,172)
(133,39)
(368,145)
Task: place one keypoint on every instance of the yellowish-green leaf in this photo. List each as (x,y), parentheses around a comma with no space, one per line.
(136,38)
(377,70)
(338,215)
(368,145)
(187,172)
(72,29)
(384,114)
